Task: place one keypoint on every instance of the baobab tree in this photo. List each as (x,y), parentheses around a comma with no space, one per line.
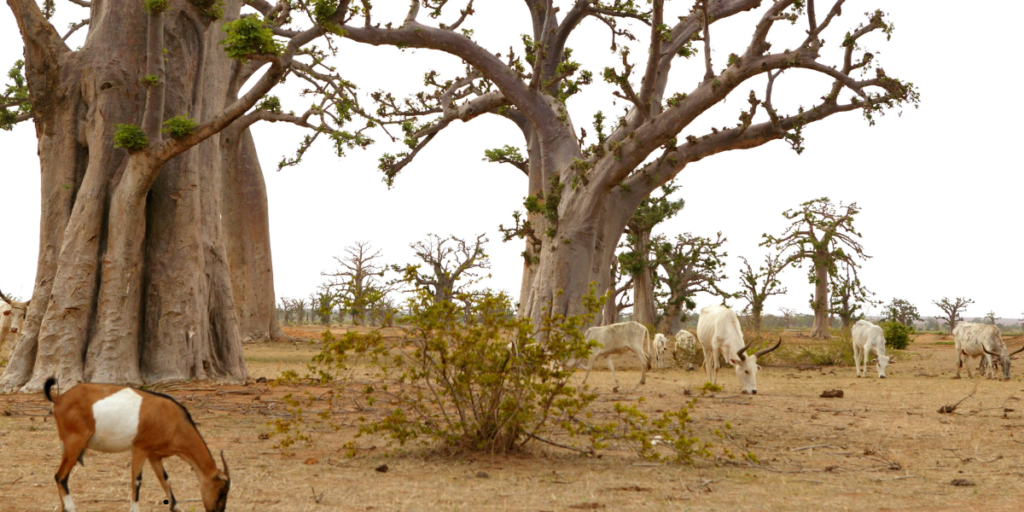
(689,265)
(357,283)
(952,309)
(901,311)
(758,285)
(823,234)
(581,190)
(154,260)
(618,299)
(848,297)
(637,260)
(451,264)
(787,316)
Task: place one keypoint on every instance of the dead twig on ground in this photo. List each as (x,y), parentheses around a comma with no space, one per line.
(948,409)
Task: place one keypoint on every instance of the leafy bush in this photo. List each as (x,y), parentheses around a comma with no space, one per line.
(179,126)
(897,335)
(249,35)
(130,137)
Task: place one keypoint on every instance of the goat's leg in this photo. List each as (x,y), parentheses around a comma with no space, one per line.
(161,476)
(74,445)
(138,459)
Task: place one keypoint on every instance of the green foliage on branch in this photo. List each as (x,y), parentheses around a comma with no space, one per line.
(250,35)
(179,126)
(270,104)
(155,6)
(212,9)
(130,137)
(14,99)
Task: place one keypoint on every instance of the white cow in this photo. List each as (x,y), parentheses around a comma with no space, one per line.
(719,332)
(13,315)
(869,337)
(660,347)
(687,343)
(981,340)
(616,339)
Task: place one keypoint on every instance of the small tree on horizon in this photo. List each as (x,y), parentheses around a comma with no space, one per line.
(355,281)
(990,318)
(952,309)
(787,316)
(848,297)
(690,265)
(822,233)
(449,265)
(902,312)
(759,285)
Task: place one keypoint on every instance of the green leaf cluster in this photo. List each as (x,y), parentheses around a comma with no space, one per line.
(179,126)
(155,6)
(130,137)
(212,9)
(15,95)
(250,35)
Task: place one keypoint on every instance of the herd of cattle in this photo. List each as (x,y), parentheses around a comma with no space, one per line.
(721,338)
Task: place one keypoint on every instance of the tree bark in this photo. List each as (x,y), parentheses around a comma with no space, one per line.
(144,274)
(822,327)
(644,308)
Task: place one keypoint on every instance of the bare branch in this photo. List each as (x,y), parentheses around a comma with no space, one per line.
(73,28)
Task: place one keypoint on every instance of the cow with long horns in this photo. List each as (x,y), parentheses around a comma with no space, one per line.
(113,419)
(719,332)
(12,314)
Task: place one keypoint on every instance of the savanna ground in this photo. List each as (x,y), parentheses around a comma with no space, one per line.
(882,446)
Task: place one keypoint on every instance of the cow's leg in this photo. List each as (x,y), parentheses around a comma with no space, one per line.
(612,368)
(644,363)
(968,365)
(138,460)
(590,366)
(856,358)
(161,476)
(74,445)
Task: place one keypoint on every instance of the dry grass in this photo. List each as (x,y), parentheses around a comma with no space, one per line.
(882,446)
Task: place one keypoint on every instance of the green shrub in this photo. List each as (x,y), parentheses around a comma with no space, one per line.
(897,335)
(249,35)
(130,137)
(179,126)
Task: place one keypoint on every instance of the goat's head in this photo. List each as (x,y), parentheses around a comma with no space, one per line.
(215,489)
(746,366)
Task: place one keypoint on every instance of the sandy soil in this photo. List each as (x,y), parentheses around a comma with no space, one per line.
(883,446)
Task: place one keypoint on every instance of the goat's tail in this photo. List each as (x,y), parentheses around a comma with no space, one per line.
(46,388)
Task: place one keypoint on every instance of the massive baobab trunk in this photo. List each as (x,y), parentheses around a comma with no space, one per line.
(142,276)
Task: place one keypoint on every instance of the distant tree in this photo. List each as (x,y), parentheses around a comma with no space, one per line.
(990,318)
(300,310)
(690,265)
(848,297)
(902,312)
(448,265)
(952,309)
(287,309)
(787,316)
(618,299)
(759,285)
(356,281)
(638,260)
(823,234)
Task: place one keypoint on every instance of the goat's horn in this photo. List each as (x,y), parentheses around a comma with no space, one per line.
(4,297)
(764,351)
(1019,350)
(225,462)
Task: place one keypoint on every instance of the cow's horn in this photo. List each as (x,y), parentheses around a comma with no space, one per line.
(4,297)
(224,461)
(989,353)
(742,353)
(1019,350)
(764,351)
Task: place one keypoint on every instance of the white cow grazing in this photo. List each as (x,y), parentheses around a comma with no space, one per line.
(660,347)
(981,340)
(869,337)
(616,339)
(719,332)
(686,341)
(12,315)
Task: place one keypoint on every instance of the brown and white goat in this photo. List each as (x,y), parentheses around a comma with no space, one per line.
(113,419)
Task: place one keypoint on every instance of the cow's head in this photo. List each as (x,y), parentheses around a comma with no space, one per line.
(746,366)
(660,347)
(883,361)
(16,311)
(1004,360)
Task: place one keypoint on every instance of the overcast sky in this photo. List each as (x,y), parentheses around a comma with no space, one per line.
(939,186)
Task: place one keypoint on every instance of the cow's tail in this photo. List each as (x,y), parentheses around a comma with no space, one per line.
(47,386)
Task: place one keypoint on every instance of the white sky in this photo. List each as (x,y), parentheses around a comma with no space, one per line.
(938,186)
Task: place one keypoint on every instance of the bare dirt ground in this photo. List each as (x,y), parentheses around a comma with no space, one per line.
(882,446)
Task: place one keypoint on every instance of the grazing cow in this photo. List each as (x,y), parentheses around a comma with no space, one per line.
(869,337)
(114,419)
(13,315)
(616,339)
(719,332)
(981,340)
(660,347)
(687,344)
